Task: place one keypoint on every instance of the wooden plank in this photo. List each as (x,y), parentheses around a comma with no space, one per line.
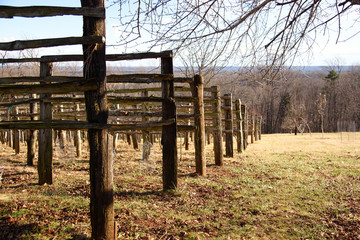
(76,58)
(135,90)
(134,56)
(129,77)
(152,125)
(123,113)
(47,11)
(135,100)
(19,60)
(59,79)
(109,57)
(51,42)
(45,99)
(55,88)
(48,124)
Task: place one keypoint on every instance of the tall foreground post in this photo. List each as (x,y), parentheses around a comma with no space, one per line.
(217,133)
(197,88)
(101,162)
(169,138)
(45,135)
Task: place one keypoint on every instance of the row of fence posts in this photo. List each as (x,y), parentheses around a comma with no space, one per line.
(235,115)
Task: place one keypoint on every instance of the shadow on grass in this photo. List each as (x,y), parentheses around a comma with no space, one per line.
(16,230)
(136,193)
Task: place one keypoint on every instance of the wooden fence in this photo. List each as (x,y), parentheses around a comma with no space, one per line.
(51,92)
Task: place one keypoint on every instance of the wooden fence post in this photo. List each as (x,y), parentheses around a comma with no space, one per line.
(77,135)
(169,137)
(259,132)
(229,145)
(197,89)
(238,124)
(45,135)
(244,125)
(16,132)
(145,133)
(256,128)
(101,162)
(31,136)
(217,132)
(186,137)
(252,127)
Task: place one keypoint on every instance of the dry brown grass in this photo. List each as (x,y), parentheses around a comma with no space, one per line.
(282,187)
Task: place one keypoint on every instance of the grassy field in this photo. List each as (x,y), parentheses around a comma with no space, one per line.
(282,187)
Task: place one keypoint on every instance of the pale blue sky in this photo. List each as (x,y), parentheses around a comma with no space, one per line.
(51,27)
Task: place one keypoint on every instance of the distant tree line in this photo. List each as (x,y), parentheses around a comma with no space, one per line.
(293,101)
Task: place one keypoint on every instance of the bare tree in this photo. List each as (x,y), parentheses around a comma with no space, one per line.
(269,32)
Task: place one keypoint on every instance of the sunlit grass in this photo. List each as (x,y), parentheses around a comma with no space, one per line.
(282,187)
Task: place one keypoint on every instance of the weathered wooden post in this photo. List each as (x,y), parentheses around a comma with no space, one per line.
(145,107)
(77,135)
(217,132)
(62,133)
(259,130)
(168,137)
(186,140)
(244,125)
(128,138)
(45,135)
(31,137)
(101,162)
(9,132)
(238,124)
(256,128)
(252,127)
(16,132)
(134,138)
(197,89)
(229,145)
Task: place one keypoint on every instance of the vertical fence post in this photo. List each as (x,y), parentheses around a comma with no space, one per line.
(77,135)
(169,136)
(238,124)
(31,136)
(45,135)
(256,128)
(100,142)
(252,127)
(217,132)
(145,108)
(9,132)
(16,132)
(186,140)
(229,145)
(197,88)
(259,131)
(244,125)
